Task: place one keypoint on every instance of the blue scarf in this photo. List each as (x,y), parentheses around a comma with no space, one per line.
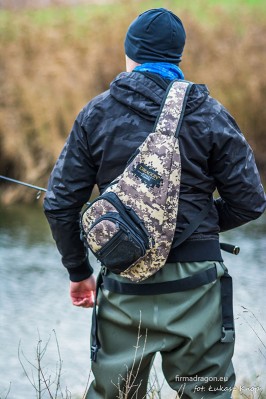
(165,69)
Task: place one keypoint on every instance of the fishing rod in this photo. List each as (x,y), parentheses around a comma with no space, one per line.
(232,249)
(22,183)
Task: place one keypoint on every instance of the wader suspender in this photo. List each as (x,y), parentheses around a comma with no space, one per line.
(95,343)
(228,329)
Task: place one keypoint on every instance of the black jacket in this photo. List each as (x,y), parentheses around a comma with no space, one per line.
(214,155)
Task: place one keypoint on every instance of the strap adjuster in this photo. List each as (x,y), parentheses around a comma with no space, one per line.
(94,351)
(228,335)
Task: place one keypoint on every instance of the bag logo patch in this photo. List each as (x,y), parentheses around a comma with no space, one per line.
(147,175)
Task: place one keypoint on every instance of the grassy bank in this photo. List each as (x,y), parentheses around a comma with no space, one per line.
(53,60)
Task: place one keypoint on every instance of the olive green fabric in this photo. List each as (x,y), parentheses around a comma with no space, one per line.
(185,327)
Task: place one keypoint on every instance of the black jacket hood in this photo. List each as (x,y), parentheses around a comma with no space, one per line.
(143,95)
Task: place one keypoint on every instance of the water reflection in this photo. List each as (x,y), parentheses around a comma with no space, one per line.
(34,300)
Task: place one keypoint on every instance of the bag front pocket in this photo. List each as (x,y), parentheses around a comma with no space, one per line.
(121,251)
(112,235)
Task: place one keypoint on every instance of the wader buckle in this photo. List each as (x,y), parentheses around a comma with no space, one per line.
(94,351)
(228,335)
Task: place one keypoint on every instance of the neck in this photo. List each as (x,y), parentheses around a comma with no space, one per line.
(130,64)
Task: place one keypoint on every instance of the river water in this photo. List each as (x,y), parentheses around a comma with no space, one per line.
(36,310)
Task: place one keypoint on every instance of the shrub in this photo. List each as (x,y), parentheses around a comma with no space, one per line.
(54,60)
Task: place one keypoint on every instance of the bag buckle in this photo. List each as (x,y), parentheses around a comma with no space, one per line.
(228,335)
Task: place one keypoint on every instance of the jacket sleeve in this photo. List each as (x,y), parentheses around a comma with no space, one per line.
(233,166)
(69,188)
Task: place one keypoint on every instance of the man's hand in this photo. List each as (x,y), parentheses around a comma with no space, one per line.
(83,293)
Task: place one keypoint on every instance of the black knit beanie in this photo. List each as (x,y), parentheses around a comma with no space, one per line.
(157,35)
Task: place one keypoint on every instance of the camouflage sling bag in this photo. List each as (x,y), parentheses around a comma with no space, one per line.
(130,227)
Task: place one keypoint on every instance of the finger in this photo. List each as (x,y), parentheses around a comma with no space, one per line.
(93,295)
(85,302)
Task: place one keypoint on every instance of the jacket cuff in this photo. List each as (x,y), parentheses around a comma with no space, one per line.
(80,272)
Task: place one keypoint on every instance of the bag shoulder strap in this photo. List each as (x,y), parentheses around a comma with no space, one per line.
(193,225)
(169,122)
(172,110)
(169,118)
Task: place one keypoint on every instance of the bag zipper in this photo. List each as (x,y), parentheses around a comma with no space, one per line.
(125,210)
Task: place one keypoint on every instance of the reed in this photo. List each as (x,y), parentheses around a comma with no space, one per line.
(54,60)
(46,382)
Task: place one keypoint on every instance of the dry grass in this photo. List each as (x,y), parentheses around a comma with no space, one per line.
(53,61)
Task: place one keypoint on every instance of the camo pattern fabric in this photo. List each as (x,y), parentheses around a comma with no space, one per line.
(156,204)
(170,115)
(101,233)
